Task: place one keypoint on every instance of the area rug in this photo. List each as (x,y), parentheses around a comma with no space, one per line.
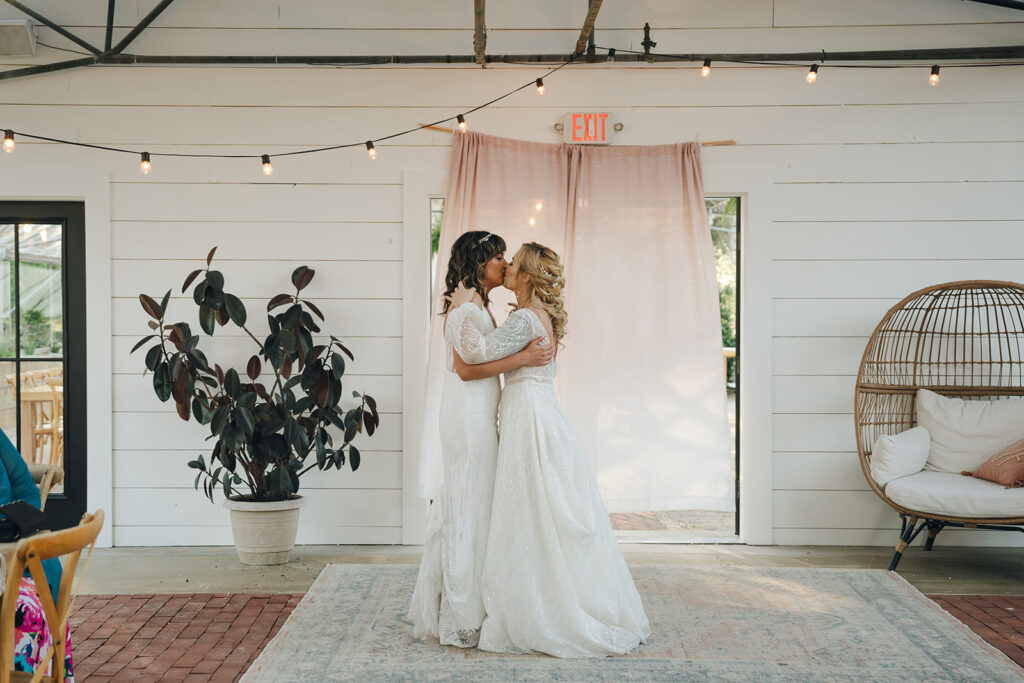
(717,623)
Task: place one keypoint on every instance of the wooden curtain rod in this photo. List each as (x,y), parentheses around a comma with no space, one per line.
(709,143)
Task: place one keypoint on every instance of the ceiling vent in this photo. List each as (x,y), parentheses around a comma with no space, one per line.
(17,38)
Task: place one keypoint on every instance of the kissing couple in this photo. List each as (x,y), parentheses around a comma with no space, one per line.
(520,554)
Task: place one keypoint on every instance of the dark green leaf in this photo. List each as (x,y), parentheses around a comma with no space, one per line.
(338,364)
(292,317)
(288,340)
(353,458)
(235,308)
(231,383)
(163,303)
(214,299)
(312,307)
(199,293)
(215,279)
(190,279)
(220,420)
(244,418)
(247,399)
(207,318)
(162,382)
(141,342)
(151,306)
(279,300)
(302,277)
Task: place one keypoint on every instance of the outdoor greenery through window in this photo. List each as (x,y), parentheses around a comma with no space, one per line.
(32,339)
(722,217)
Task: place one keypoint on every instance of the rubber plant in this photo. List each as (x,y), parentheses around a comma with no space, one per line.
(273,420)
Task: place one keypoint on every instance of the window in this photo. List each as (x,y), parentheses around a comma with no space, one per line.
(42,343)
(436,216)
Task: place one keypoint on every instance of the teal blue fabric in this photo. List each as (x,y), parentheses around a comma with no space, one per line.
(16,484)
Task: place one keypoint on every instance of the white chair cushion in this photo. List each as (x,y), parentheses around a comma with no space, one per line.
(954,495)
(898,455)
(967,433)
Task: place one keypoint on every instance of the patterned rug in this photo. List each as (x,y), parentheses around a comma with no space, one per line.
(720,623)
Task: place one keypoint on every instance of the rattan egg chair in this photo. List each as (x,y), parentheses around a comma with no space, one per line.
(959,339)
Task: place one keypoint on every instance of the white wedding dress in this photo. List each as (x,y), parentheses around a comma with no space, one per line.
(446,602)
(554,579)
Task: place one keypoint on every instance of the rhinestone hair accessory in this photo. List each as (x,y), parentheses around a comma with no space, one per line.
(484,238)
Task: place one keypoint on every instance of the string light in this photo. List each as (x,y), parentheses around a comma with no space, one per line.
(540,86)
(144,165)
(705,70)
(370,149)
(268,169)
(533,221)
(539,206)
(8,141)
(812,75)
(933,79)
(462,122)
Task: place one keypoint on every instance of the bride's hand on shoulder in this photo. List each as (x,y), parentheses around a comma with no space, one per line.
(537,353)
(464,294)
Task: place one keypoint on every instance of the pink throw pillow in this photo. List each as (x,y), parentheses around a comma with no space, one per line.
(1005,467)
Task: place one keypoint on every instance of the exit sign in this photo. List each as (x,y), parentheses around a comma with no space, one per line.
(588,128)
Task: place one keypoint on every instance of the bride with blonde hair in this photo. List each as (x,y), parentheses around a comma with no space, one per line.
(554,580)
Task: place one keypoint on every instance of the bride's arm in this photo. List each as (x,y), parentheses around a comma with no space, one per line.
(534,354)
(475,347)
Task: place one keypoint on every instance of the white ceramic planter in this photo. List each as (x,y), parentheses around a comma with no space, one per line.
(264,532)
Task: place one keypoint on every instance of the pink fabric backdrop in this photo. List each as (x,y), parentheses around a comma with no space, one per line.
(641,374)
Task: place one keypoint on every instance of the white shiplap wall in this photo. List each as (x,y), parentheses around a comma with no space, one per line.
(879,185)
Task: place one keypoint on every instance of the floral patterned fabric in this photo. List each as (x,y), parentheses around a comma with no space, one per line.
(32,639)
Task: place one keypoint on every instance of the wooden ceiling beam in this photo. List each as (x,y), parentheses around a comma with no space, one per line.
(588,27)
(480,32)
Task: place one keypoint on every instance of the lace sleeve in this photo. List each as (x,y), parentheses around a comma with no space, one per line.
(475,347)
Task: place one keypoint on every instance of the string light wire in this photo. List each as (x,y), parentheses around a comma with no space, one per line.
(313,150)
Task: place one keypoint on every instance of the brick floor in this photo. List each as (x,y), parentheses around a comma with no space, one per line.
(215,637)
(999,619)
(203,637)
(636,521)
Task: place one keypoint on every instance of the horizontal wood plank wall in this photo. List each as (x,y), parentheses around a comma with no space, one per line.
(881,185)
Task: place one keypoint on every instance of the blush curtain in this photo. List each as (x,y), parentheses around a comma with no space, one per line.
(641,373)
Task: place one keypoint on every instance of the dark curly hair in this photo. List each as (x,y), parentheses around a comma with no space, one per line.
(470,254)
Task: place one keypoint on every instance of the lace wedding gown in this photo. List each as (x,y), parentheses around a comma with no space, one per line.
(446,602)
(554,580)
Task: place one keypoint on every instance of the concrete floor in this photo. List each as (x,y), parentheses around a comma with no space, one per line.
(994,571)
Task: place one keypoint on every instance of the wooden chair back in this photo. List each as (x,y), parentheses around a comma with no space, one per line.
(30,554)
(45,477)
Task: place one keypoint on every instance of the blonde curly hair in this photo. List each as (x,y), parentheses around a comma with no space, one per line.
(547,283)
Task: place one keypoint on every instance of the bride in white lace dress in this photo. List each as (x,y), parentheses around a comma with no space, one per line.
(446,602)
(554,580)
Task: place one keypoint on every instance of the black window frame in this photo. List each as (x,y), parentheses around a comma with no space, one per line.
(63,509)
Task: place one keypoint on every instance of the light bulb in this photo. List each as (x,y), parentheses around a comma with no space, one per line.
(705,70)
(539,206)
(540,86)
(370,149)
(812,75)
(533,221)
(8,141)
(267,168)
(933,79)
(462,122)
(144,165)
